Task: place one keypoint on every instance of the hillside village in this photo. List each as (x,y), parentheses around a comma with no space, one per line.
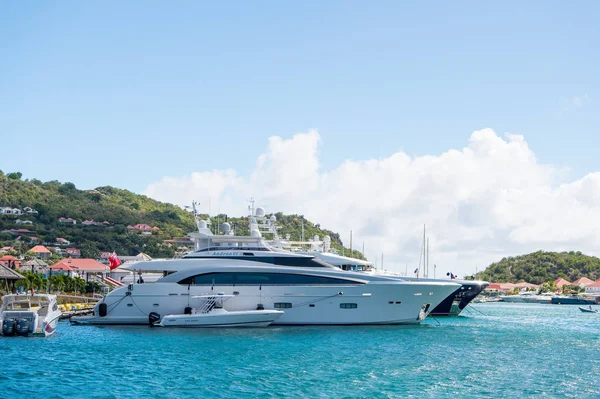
(24,251)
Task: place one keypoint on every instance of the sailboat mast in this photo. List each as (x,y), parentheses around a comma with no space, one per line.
(427,257)
(424,249)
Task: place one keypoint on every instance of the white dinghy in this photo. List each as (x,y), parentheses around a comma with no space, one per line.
(210,313)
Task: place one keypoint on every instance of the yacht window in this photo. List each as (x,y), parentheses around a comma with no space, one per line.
(282,305)
(348,305)
(249,278)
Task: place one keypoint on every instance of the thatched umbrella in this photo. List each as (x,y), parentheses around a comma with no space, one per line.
(7,275)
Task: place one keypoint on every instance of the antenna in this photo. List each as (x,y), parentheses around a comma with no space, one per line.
(251,206)
(195,212)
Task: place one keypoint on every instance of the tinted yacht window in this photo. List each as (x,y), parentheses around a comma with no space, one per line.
(249,278)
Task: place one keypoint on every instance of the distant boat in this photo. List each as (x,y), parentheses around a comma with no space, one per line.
(588,310)
(528,297)
(572,300)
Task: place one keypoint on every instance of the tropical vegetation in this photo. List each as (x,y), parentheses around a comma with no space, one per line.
(542,267)
(120,208)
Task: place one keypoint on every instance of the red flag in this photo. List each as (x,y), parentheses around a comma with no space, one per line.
(114,261)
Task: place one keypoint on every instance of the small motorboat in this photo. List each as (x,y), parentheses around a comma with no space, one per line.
(29,314)
(588,310)
(211,314)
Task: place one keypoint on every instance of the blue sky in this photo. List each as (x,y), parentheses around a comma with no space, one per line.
(124,93)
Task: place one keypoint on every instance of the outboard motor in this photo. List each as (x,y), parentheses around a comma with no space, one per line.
(23,327)
(8,327)
(153,318)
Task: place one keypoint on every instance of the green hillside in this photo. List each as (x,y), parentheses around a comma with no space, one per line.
(540,267)
(120,208)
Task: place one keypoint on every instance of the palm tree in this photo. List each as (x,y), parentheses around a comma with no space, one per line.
(58,282)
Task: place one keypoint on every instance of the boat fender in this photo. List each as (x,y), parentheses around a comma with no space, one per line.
(153,318)
(187,310)
(260,306)
(102,309)
(23,327)
(8,327)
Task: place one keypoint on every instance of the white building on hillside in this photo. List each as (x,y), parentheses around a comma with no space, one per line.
(593,288)
(10,211)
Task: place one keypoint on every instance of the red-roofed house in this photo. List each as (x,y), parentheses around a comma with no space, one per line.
(90,223)
(524,286)
(19,231)
(583,282)
(561,282)
(593,288)
(62,241)
(10,261)
(80,266)
(63,269)
(7,249)
(41,252)
(67,220)
(143,228)
(75,253)
(500,287)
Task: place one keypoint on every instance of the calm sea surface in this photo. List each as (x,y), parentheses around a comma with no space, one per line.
(495,350)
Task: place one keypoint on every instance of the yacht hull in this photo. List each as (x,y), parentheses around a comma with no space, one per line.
(454,304)
(392,302)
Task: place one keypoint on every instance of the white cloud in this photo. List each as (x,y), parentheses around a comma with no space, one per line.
(488,200)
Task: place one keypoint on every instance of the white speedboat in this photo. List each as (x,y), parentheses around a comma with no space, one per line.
(210,313)
(320,294)
(30,314)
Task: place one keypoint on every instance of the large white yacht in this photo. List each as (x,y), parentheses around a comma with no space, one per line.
(306,289)
(306,295)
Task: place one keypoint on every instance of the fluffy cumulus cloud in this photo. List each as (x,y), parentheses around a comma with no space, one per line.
(485,201)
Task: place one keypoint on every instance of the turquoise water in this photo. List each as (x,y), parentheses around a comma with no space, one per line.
(496,350)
